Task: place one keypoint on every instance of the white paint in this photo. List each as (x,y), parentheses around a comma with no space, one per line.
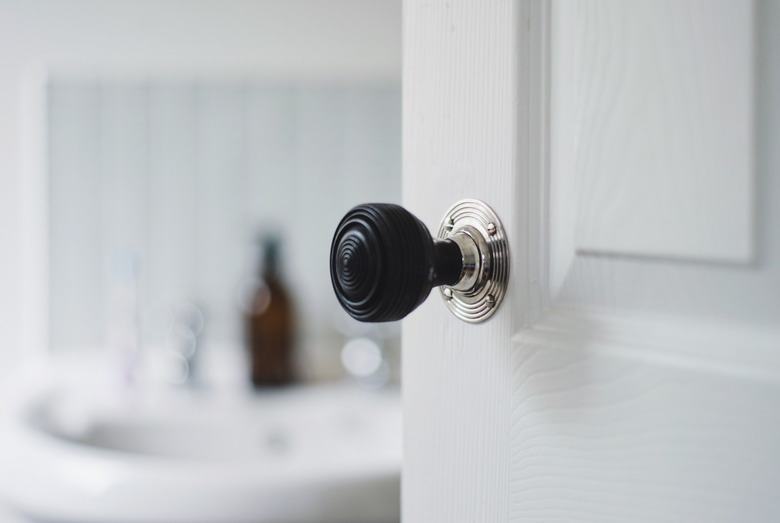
(287,39)
(638,419)
(648,388)
(653,126)
(466,135)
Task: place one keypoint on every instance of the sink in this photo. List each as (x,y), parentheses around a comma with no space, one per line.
(80,451)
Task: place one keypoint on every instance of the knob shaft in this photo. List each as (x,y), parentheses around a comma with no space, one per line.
(383,262)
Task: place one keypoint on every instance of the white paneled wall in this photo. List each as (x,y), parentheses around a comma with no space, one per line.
(186,175)
(75,194)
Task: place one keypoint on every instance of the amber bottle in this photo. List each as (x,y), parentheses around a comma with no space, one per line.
(270,324)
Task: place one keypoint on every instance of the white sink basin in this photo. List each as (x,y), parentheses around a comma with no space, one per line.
(317,454)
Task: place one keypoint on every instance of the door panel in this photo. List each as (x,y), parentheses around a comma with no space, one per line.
(647,391)
(652,124)
(632,418)
(633,372)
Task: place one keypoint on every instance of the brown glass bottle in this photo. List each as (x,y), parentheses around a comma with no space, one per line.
(270,324)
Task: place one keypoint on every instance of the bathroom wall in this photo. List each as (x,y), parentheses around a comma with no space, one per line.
(180,179)
(293,39)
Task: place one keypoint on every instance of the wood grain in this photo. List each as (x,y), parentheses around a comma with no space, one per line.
(648,390)
(722,291)
(465,76)
(628,419)
(653,126)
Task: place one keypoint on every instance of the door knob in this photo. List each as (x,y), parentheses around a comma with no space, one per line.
(384,262)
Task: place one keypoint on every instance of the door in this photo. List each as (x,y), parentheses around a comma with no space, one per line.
(631,151)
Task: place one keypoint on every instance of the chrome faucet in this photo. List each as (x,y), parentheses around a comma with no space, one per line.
(183,341)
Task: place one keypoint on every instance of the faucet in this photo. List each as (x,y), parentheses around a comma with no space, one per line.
(183,342)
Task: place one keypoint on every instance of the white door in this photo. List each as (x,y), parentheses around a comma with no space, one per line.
(631,150)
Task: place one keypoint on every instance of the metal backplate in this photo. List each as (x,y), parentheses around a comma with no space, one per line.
(475,223)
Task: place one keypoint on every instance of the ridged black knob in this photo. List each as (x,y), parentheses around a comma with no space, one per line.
(383,262)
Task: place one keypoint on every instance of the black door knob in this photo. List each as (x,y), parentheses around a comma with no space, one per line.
(384,262)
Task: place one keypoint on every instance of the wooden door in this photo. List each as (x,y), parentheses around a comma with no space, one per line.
(630,148)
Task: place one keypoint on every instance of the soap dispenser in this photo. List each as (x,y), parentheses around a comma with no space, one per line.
(269,322)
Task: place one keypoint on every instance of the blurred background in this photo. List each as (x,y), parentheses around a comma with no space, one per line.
(181,180)
(177,133)
(161,162)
